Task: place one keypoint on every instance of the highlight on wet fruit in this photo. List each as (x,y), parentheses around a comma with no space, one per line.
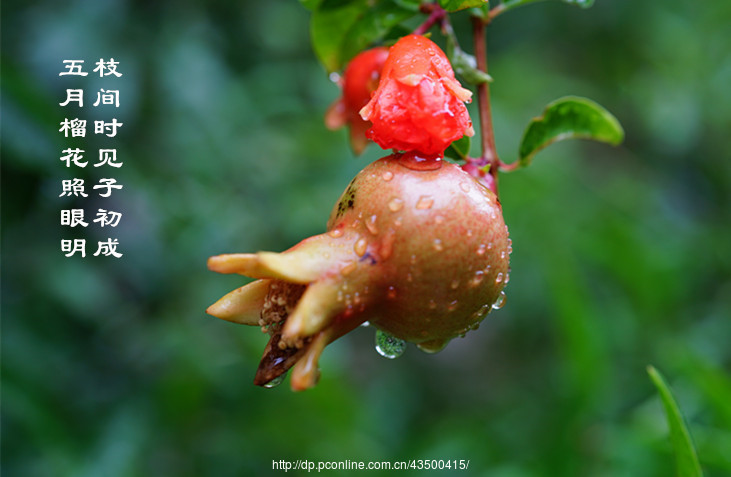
(418,250)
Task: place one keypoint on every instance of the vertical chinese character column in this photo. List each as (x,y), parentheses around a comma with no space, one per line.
(73,157)
(107,158)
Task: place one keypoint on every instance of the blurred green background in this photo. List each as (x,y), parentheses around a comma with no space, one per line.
(110,367)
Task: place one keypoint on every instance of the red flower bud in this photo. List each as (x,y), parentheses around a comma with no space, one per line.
(359,82)
(419,105)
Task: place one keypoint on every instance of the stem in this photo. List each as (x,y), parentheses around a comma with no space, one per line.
(436,14)
(495,11)
(487,136)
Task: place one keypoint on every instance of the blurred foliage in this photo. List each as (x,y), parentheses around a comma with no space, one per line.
(622,255)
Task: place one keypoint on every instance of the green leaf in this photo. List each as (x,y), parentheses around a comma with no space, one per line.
(508,4)
(329,26)
(372,27)
(685,454)
(456,5)
(310,4)
(459,149)
(413,5)
(340,29)
(465,64)
(569,118)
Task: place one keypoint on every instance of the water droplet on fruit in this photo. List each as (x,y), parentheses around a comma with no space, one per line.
(335,233)
(424,202)
(481,249)
(371,224)
(413,259)
(452,306)
(439,219)
(438,246)
(454,285)
(489,246)
(365,324)
(276,381)
(499,278)
(387,244)
(388,345)
(477,279)
(360,247)
(464,186)
(395,204)
(347,269)
(470,233)
(500,302)
(391,293)
(412,160)
(502,254)
(387,176)
(432,304)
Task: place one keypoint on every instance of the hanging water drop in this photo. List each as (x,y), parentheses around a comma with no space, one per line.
(389,346)
(276,381)
(500,302)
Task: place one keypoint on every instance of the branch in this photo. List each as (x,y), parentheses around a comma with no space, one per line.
(487,136)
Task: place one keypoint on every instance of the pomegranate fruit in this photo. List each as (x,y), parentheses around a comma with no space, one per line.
(416,247)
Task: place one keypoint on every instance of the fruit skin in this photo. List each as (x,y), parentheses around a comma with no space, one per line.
(437,254)
(419,105)
(417,248)
(359,81)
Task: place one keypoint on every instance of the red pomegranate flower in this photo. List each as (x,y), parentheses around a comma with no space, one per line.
(359,82)
(419,105)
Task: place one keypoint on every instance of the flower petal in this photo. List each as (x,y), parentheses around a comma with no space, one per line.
(305,372)
(242,305)
(317,308)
